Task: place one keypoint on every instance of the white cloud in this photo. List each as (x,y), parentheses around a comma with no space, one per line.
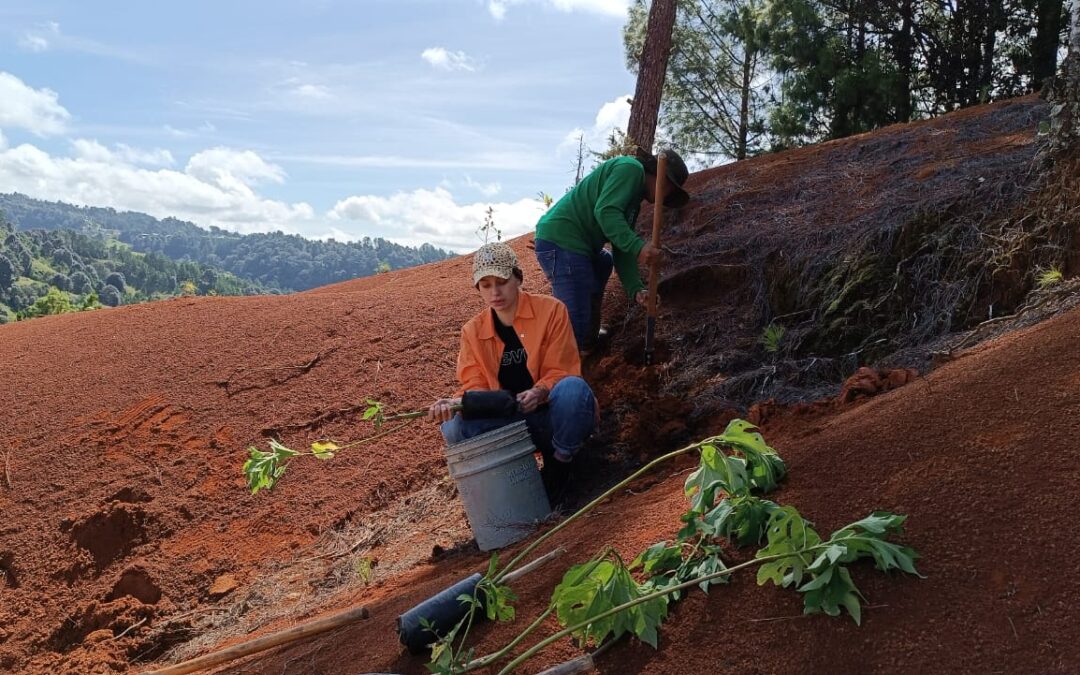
(204,128)
(218,187)
(432,216)
(122,153)
(48,36)
(313,91)
(443,59)
(490,160)
(155,157)
(612,115)
(215,189)
(609,7)
(35,110)
(3,141)
(614,8)
(301,88)
(232,169)
(34,43)
(487,189)
(91,151)
(39,39)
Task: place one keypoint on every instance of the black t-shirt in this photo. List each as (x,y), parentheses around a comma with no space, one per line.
(513,372)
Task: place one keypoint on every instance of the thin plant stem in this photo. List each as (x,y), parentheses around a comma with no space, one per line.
(481,662)
(495,656)
(376,436)
(416,414)
(596,502)
(532,651)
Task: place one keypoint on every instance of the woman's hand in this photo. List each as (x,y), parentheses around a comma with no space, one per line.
(530,399)
(443,409)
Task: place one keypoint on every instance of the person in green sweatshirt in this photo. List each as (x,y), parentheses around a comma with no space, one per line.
(601,209)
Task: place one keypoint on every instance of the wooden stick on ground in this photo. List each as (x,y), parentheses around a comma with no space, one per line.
(304,630)
(518,573)
(586,663)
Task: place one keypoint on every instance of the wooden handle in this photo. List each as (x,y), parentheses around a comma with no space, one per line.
(513,576)
(657,221)
(578,666)
(582,664)
(293,634)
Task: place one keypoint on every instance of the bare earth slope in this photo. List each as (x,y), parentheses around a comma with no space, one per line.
(981,454)
(123,513)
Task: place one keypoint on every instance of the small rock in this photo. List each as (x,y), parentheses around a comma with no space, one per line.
(224,584)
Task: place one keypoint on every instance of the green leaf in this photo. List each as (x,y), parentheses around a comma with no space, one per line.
(702,484)
(716,471)
(830,591)
(280,451)
(324,449)
(710,564)
(791,537)
(764,467)
(742,519)
(467,599)
(497,600)
(589,590)
(866,538)
(658,559)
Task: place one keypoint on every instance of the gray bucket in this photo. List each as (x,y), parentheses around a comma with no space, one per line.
(499,484)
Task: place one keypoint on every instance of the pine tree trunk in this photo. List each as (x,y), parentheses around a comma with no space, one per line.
(904,60)
(1065,109)
(744,103)
(1044,46)
(992,22)
(652,71)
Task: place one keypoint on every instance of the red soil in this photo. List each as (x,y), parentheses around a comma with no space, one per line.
(123,432)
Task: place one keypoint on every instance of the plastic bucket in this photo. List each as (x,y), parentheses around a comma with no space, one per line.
(499,484)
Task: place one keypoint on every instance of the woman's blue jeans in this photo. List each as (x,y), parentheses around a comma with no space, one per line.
(558,428)
(578,281)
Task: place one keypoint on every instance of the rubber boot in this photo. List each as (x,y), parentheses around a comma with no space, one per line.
(556,476)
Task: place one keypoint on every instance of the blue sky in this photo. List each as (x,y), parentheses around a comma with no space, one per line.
(396,118)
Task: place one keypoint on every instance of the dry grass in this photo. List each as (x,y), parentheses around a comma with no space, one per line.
(345,559)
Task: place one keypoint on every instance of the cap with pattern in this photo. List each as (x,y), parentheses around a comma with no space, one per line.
(494,260)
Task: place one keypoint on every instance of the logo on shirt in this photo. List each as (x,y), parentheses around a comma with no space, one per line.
(514,357)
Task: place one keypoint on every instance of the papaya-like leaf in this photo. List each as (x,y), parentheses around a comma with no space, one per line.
(324,449)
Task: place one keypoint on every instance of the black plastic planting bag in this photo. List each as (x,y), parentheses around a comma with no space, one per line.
(440,613)
(477,405)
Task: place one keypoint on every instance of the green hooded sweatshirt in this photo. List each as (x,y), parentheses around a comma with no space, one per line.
(602,208)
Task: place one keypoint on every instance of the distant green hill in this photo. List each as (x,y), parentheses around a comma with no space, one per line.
(53,271)
(271,262)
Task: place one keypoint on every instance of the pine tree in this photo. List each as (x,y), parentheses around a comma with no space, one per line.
(652,72)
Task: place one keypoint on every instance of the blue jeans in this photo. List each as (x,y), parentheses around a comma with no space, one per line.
(558,429)
(578,281)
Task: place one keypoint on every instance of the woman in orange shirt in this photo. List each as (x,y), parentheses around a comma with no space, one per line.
(525,344)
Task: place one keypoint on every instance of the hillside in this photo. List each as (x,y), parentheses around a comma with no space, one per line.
(50,271)
(124,431)
(273,260)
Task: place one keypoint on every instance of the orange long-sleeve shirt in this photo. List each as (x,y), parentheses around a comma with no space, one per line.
(543,326)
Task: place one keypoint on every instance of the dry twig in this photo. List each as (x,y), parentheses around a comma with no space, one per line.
(129,629)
